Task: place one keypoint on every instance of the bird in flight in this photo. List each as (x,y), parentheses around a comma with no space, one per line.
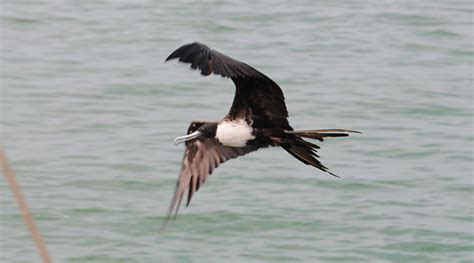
(258,118)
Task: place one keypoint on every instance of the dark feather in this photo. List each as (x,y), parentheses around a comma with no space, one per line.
(255,92)
(320,134)
(201,157)
(304,151)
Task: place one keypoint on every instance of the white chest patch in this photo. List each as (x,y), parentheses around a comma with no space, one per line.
(234,133)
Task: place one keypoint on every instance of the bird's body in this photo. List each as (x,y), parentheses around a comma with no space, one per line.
(256,119)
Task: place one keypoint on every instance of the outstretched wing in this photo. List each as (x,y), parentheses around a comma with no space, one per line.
(201,157)
(254,90)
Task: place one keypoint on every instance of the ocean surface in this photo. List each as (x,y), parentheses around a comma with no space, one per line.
(89,112)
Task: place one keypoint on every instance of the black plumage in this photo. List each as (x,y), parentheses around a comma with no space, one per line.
(260,102)
(253,89)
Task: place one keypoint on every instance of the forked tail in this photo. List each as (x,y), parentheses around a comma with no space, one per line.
(320,134)
(306,151)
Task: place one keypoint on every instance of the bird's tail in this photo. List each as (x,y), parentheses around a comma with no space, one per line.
(320,134)
(306,151)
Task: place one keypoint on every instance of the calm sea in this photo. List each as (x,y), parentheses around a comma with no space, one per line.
(89,112)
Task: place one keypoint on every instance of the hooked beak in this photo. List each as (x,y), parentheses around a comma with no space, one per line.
(188,137)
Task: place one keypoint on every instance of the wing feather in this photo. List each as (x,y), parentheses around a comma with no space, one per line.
(254,92)
(201,157)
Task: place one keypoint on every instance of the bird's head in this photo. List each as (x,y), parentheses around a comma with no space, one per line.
(198,130)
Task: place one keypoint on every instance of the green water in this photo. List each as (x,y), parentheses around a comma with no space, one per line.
(89,112)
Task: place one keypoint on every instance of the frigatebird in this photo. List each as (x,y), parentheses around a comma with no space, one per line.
(258,118)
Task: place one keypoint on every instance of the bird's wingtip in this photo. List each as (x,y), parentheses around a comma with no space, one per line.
(333,174)
(170,57)
(178,52)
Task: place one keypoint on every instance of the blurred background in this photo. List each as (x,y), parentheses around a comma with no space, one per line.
(89,112)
